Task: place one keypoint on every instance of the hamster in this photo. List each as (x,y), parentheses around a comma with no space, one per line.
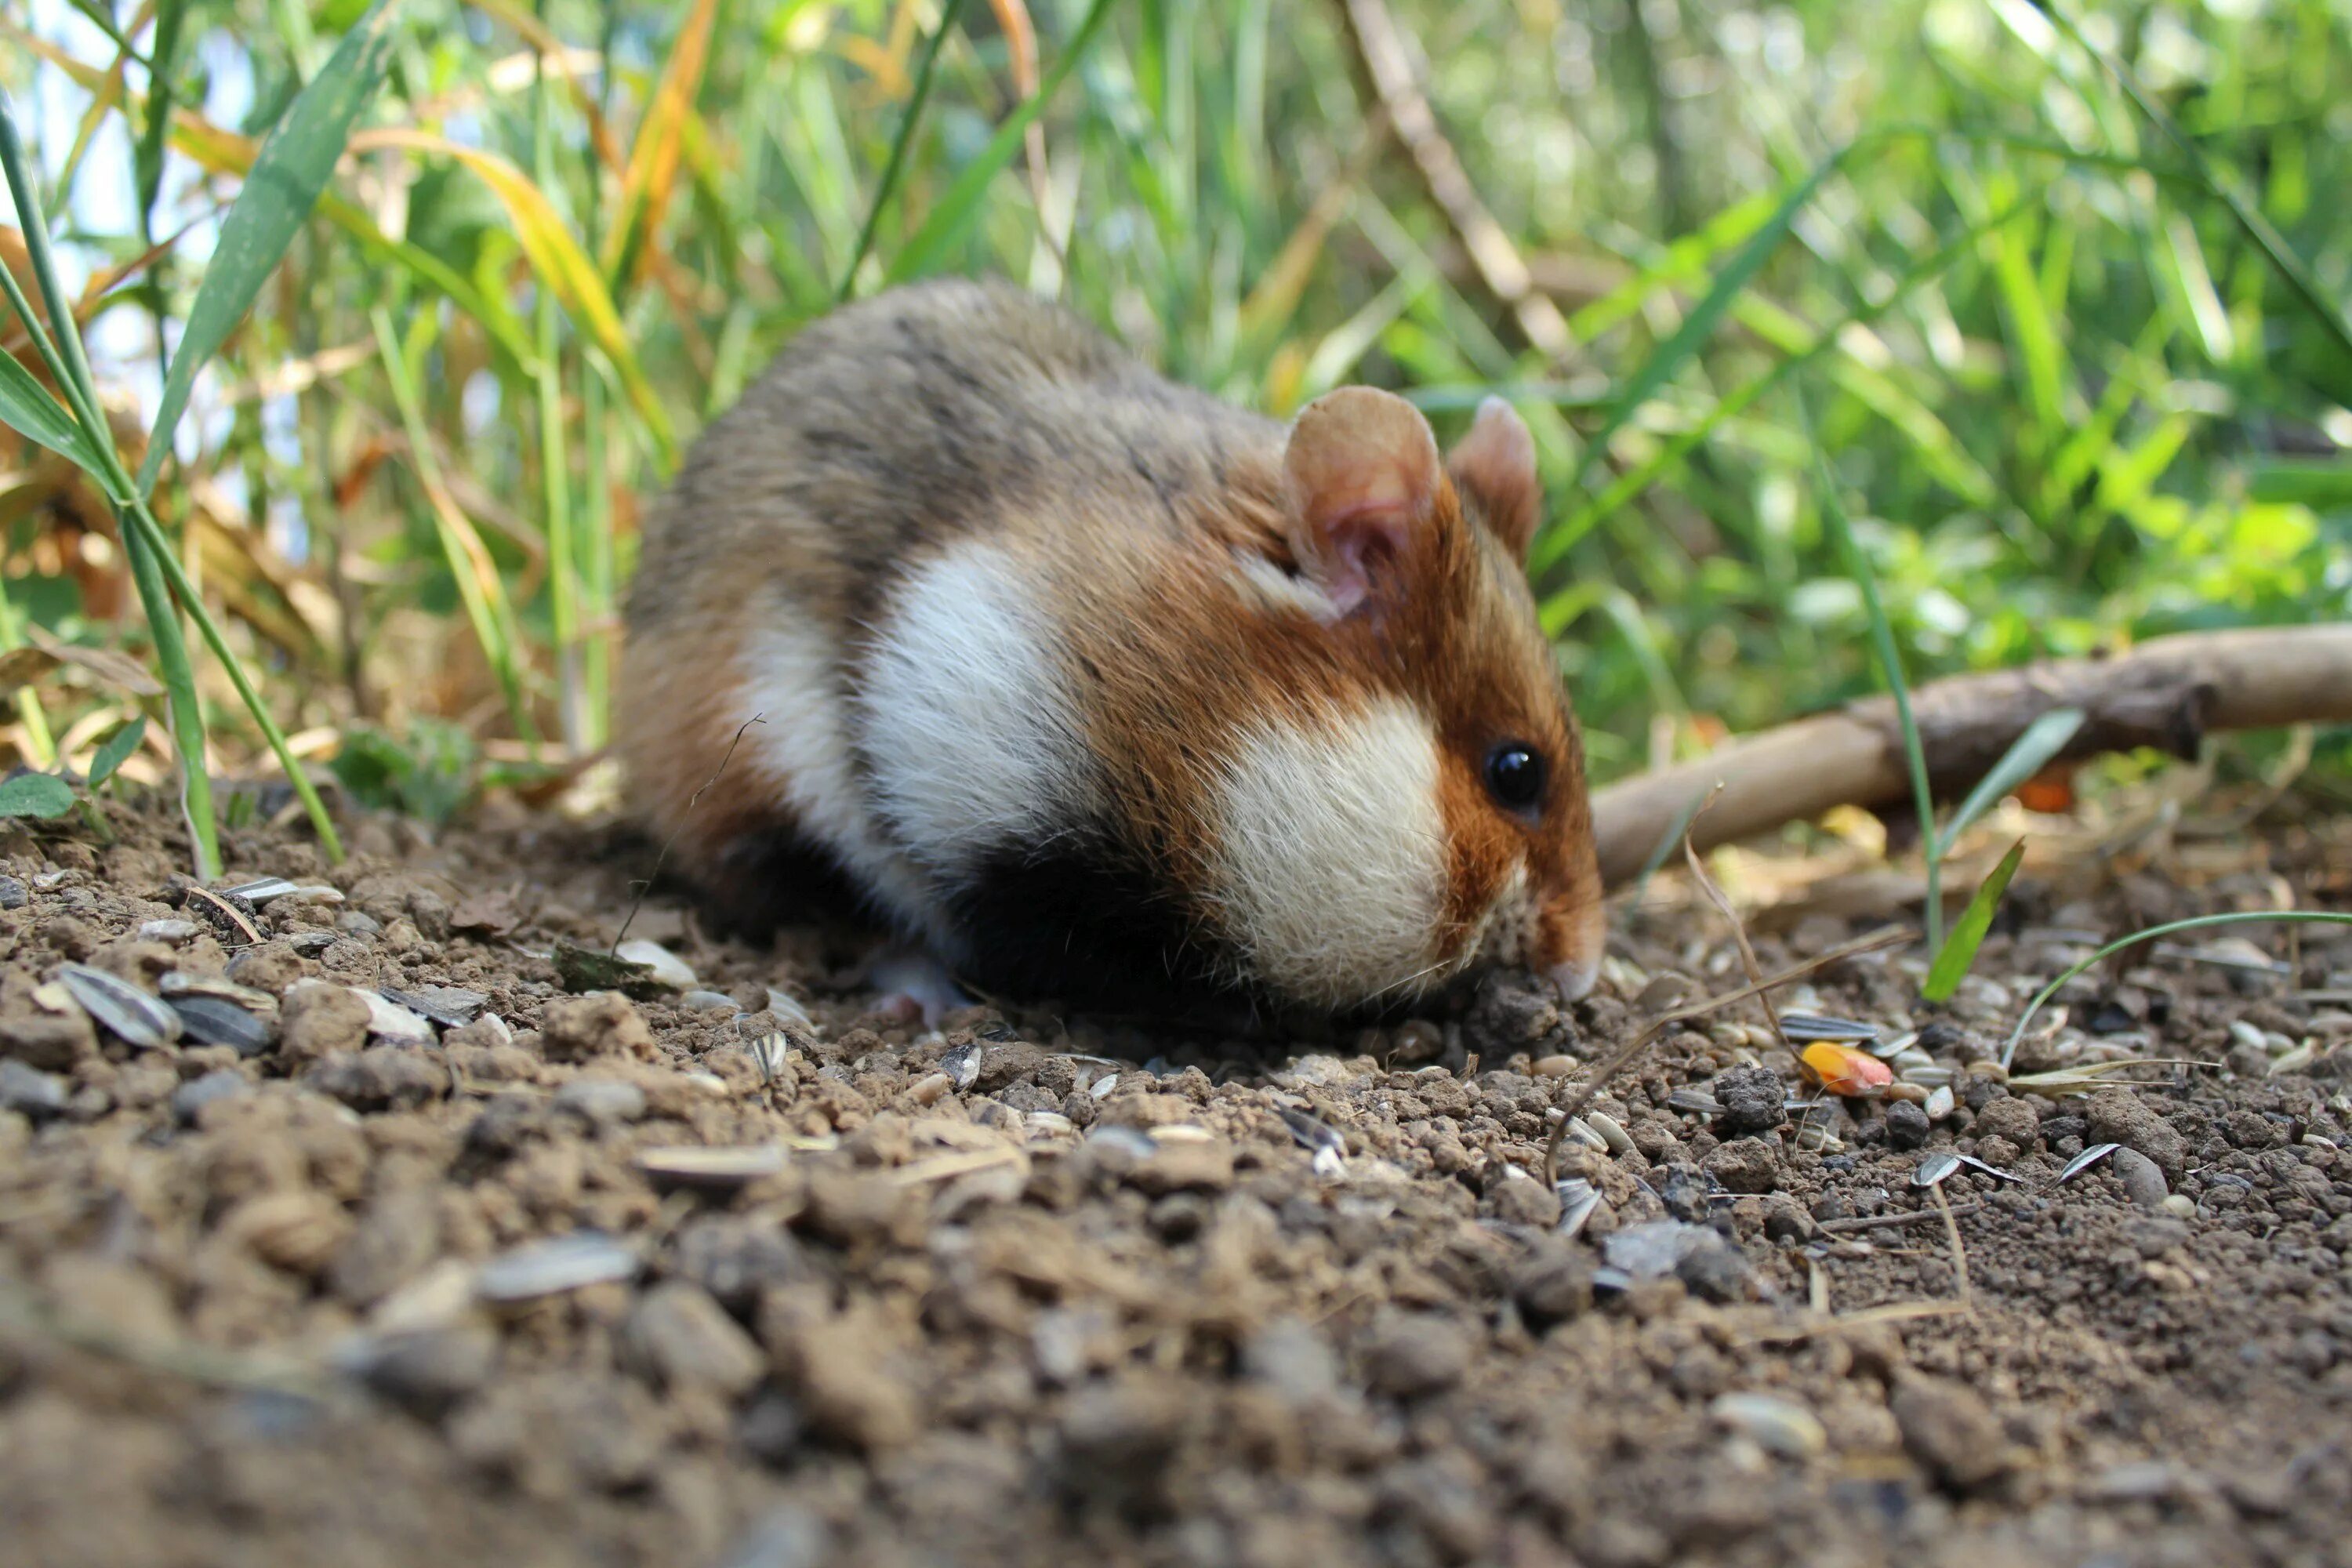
(1104,691)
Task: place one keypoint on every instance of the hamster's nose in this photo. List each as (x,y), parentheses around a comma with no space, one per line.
(1575,978)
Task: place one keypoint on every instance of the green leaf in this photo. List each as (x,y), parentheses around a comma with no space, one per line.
(291,170)
(42,795)
(117,750)
(2042,740)
(1959,948)
(897,163)
(946,222)
(26,407)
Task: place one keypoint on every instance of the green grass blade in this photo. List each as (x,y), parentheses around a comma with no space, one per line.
(1959,950)
(26,407)
(67,361)
(2247,917)
(2267,239)
(1693,334)
(895,166)
(292,169)
(145,553)
(142,522)
(944,226)
(1890,664)
(2322,484)
(2026,756)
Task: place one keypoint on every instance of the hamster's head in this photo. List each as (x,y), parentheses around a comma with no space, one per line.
(1412,805)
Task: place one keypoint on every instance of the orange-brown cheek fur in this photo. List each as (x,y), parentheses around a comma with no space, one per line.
(1483,852)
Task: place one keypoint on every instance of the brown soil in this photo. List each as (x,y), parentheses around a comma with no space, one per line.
(1044,1290)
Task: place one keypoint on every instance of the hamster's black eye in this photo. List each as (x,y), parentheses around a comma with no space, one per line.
(1515,775)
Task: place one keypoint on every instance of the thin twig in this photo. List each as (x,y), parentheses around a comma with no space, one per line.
(1658,1025)
(1882,1221)
(1722,901)
(1959,1253)
(654,876)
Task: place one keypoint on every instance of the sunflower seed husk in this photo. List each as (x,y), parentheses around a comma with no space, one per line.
(134,1016)
(176,984)
(1310,1132)
(688,1165)
(2086,1159)
(1807,1028)
(1696,1101)
(213,1021)
(784,1005)
(558,1264)
(1935,1169)
(447,1005)
(1586,1136)
(708,1001)
(260,890)
(1973,1163)
(1579,1200)
(1779,1425)
(390,1022)
(2294,1060)
(962,1066)
(768,1054)
(1935,1077)
(668,969)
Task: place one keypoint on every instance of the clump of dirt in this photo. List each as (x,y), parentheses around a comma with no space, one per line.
(348,1234)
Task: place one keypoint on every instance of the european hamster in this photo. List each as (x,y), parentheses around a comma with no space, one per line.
(1101,688)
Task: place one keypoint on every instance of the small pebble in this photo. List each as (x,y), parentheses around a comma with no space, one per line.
(2142,1181)
(708,1001)
(1554,1067)
(599,1100)
(167,930)
(1906,1125)
(192,1097)
(35,1094)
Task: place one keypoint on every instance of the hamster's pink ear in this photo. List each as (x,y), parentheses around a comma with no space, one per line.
(1364,480)
(1495,467)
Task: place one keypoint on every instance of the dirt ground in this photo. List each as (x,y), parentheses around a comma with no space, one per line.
(1045,1289)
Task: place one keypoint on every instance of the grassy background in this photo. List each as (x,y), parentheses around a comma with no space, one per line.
(2068,395)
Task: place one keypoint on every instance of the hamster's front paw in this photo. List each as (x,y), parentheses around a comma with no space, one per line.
(913,978)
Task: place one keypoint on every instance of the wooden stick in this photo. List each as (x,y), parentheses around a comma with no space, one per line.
(2167,693)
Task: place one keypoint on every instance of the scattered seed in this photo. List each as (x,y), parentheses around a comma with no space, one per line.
(2085,1160)
(390,1022)
(213,1021)
(447,1005)
(962,1066)
(716,1168)
(1554,1066)
(132,1013)
(2179,1204)
(1779,1425)
(1619,1142)
(1805,1028)
(786,1006)
(1913,1093)
(1843,1070)
(1698,1102)
(2294,1060)
(260,890)
(1935,1169)
(768,1055)
(1053,1124)
(1941,1102)
(2245,1034)
(666,967)
(172,932)
(708,1001)
(1579,1200)
(1586,1136)
(1309,1132)
(929,1090)
(547,1268)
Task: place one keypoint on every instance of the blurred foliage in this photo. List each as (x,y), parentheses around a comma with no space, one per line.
(2070,399)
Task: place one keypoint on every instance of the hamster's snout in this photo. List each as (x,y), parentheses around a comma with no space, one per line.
(1576,929)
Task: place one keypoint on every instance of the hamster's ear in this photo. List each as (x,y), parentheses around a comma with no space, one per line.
(1494,466)
(1364,482)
